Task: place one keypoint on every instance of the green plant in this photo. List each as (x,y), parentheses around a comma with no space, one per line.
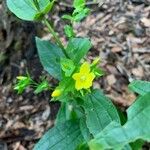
(87,119)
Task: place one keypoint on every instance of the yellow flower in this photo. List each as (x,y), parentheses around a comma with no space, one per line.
(84,78)
(56,93)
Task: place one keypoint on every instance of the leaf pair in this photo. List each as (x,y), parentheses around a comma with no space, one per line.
(51,55)
(30,9)
(137,128)
(69,134)
(80,11)
(115,136)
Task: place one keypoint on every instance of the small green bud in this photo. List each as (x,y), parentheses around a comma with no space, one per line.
(41,87)
(22,83)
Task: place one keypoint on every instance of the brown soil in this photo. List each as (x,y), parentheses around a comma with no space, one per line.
(120,33)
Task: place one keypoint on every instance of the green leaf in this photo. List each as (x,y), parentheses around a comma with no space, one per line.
(83,146)
(66,136)
(80,15)
(137,145)
(47,7)
(50,55)
(77,48)
(140,87)
(67,86)
(122,116)
(95,146)
(127,147)
(27,10)
(115,136)
(69,31)
(67,112)
(61,115)
(67,66)
(100,112)
(84,130)
(78,3)
(67,17)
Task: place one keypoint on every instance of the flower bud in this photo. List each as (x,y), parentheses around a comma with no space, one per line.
(56,93)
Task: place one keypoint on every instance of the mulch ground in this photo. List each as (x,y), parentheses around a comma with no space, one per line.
(120,33)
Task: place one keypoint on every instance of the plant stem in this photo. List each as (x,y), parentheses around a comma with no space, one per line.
(51,30)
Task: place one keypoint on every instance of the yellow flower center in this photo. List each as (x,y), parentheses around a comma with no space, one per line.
(83,78)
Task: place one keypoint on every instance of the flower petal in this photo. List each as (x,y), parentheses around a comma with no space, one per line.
(78,85)
(91,76)
(89,81)
(85,68)
(76,76)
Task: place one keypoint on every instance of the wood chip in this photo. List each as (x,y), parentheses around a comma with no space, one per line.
(146,22)
(116,49)
(111,79)
(138,72)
